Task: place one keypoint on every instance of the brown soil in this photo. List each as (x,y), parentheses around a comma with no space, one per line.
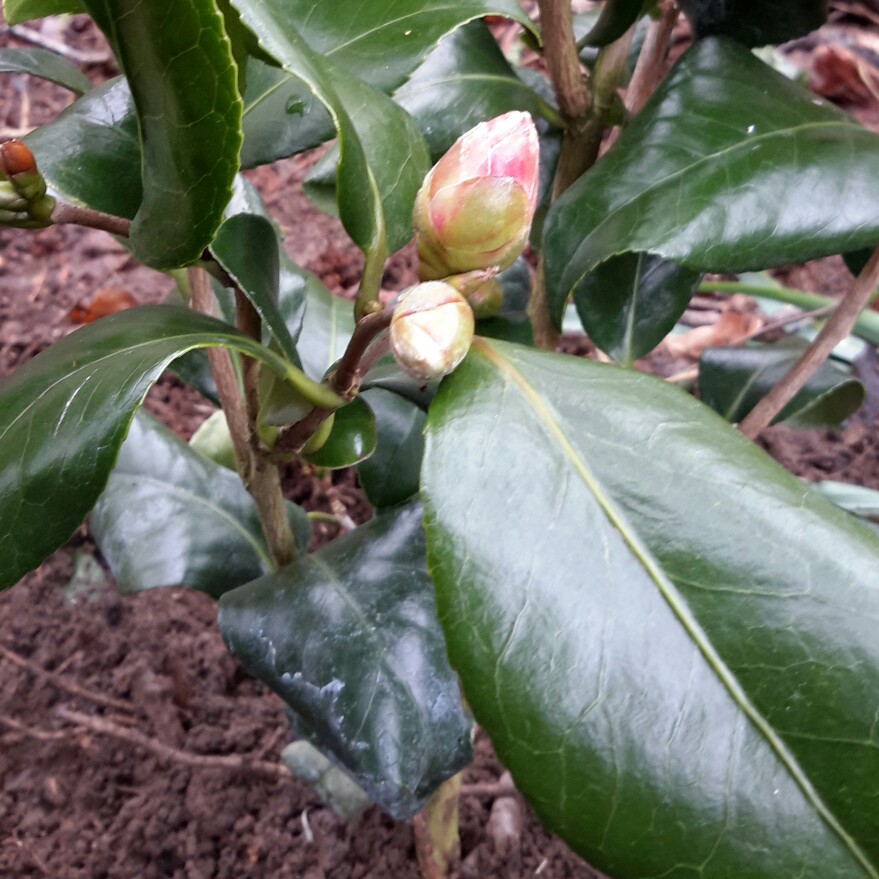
(75,804)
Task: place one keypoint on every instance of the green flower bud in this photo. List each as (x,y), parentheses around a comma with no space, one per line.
(431,330)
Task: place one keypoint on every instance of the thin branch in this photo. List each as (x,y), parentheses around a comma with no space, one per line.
(839,326)
(562,61)
(63,683)
(80,216)
(647,73)
(230,762)
(360,355)
(42,735)
(77,56)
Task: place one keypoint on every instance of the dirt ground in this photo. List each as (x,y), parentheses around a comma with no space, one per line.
(78,804)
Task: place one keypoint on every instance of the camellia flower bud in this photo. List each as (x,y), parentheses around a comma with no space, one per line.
(23,199)
(475,207)
(431,330)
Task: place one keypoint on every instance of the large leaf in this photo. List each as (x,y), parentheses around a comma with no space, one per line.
(390,475)
(631,302)
(184,82)
(90,154)
(17,11)
(670,640)
(733,380)
(729,167)
(466,80)
(378,176)
(64,414)
(380,43)
(327,326)
(46,65)
(170,516)
(348,637)
(755,24)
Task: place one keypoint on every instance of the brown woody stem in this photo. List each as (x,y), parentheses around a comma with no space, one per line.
(359,357)
(259,473)
(650,61)
(838,326)
(79,216)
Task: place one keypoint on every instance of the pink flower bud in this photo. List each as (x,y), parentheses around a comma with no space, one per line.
(475,207)
(431,330)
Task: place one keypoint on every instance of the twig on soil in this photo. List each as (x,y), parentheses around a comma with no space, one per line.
(40,734)
(839,325)
(63,683)
(230,762)
(77,56)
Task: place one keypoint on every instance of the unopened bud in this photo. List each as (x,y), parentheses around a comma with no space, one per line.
(475,207)
(16,158)
(23,199)
(431,330)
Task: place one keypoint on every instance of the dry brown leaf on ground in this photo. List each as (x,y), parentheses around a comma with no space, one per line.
(729,328)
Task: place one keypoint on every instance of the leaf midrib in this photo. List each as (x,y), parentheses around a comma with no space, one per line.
(667,589)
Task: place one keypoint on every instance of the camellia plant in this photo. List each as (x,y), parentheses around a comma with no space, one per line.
(671,642)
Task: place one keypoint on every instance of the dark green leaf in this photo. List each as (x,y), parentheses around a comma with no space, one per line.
(390,475)
(169,516)
(46,65)
(670,640)
(631,302)
(378,176)
(90,154)
(855,260)
(348,637)
(755,24)
(388,375)
(511,323)
(380,43)
(17,11)
(183,79)
(466,80)
(281,116)
(64,414)
(616,18)
(351,440)
(733,380)
(249,250)
(729,167)
(326,327)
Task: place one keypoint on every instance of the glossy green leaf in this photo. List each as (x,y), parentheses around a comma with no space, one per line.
(511,323)
(90,154)
(248,249)
(17,11)
(617,16)
(755,24)
(281,116)
(733,380)
(348,637)
(390,475)
(729,167)
(64,414)
(351,440)
(464,81)
(170,516)
(380,43)
(378,176)
(670,640)
(389,376)
(631,302)
(47,65)
(327,326)
(184,82)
